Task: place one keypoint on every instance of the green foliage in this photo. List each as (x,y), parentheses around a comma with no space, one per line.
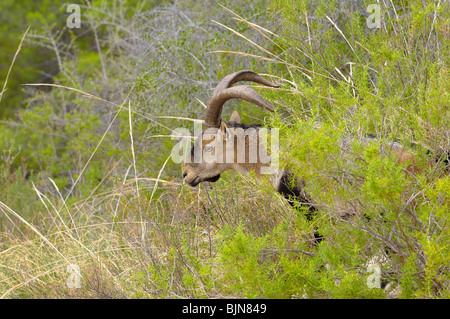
(351,81)
(139,234)
(274,267)
(31,62)
(19,196)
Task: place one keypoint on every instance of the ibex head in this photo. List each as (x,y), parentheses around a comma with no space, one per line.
(211,154)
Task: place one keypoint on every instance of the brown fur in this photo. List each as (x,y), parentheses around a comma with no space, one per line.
(404,157)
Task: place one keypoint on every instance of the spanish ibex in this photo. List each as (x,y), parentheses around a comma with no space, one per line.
(213,143)
(217,134)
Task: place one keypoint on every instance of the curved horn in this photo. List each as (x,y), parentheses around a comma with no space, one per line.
(224,92)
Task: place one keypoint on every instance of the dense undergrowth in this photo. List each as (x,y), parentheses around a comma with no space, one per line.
(86,177)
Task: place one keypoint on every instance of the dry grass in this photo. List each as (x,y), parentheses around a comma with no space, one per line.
(118,260)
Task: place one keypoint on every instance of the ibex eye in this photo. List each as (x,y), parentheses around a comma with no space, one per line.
(208,148)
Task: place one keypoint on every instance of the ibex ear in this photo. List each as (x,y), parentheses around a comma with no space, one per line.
(235,117)
(224,129)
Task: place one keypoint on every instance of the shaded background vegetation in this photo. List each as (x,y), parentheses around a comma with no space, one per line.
(86,178)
